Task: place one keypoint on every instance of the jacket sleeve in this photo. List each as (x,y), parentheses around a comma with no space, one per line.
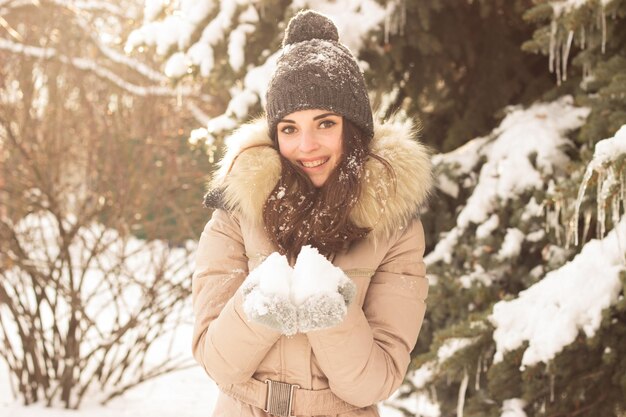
(225,343)
(382,334)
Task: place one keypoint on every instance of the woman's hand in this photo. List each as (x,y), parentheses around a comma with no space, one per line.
(313,295)
(266,294)
(320,291)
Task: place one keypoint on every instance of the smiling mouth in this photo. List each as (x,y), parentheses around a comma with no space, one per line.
(313,164)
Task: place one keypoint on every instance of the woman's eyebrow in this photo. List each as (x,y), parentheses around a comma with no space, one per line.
(321,116)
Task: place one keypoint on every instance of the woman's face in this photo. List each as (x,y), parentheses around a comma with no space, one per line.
(312,139)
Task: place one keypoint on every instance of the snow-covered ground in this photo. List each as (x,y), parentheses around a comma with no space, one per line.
(186,393)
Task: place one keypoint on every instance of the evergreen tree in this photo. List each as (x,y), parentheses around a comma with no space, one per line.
(446,57)
(518,250)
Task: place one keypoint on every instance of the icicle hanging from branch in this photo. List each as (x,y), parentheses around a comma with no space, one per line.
(462,391)
(600,201)
(395,18)
(603,19)
(567,46)
(478,367)
(559,46)
(608,167)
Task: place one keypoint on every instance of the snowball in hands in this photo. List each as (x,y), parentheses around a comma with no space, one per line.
(314,275)
(274,275)
(313,295)
(320,291)
(266,295)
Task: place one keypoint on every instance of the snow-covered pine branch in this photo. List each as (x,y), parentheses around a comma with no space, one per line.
(506,172)
(550,314)
(497,241)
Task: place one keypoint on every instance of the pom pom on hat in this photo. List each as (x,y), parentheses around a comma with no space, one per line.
(308,25)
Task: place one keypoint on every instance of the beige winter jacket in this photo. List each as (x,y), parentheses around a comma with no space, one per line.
(355,364)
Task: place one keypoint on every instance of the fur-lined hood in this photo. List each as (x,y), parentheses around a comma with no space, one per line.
(251,168)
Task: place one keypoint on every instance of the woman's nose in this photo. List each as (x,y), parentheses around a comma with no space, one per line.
(308,141)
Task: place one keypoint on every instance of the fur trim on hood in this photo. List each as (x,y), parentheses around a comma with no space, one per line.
(251,168)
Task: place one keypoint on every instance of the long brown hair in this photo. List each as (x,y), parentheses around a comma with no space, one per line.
(297,213)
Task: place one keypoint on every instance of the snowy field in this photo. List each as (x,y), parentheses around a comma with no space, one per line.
(186,393)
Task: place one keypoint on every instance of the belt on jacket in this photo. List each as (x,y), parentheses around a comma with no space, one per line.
(284,400)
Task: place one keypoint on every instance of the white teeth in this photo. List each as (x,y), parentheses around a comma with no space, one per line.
(313,164)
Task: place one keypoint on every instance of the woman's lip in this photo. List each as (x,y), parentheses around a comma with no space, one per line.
(301,161)
(319,158)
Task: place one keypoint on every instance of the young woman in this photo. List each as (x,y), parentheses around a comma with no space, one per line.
(309,289)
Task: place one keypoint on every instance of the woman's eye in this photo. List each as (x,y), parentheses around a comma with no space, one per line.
(288,130)
(325,124)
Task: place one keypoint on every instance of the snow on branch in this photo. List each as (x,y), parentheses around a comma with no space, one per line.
(565,6)
(538,132)
(33,51)
(609,150)
(77,6)
(99,70)
(110,53)
(175,30)
(550,314)
(413,395)
(513,407)
(120,58)
(94,5)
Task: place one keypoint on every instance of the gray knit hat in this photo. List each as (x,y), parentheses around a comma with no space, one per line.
(316,71)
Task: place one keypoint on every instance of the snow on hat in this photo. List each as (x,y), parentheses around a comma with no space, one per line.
(316,71)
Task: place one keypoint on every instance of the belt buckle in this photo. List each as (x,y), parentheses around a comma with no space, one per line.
(279,398)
